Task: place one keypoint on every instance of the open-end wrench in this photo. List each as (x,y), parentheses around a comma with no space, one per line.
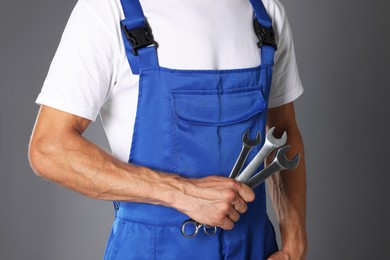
(271,143)
(247,145)
(279,163)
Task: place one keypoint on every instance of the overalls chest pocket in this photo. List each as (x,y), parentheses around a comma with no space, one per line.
(207,127)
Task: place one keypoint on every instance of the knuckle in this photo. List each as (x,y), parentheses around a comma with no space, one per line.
(229,195)
(232,183)
(225,207)
(229,226)
(220,218)
(236,217)
(242,208)
(250,195)
(235,184)
(214,223)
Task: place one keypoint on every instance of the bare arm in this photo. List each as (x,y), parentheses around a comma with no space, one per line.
(60,153)
(288,189)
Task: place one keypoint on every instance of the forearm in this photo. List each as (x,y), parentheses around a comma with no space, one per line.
(288,188)
(60,153)
(72,161)
(85,168)
(288,193)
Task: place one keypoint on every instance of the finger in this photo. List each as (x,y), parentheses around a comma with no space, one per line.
(246,193)
(233,215)
(240,205)
(227,224)
(278,256)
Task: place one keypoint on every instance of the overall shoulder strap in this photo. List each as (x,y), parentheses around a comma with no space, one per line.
(141,48)
(137,36)
(265,33)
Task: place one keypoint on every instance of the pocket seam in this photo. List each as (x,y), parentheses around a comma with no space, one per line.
(258,107)
(120,228)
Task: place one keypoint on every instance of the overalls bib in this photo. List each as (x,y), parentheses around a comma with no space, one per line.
(190,122)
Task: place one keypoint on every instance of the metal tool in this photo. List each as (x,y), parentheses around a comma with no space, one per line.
(247,145)
(271,143)
(195,226)
(279,163)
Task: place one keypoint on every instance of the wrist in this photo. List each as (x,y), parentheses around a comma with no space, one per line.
(169,190)
(178,195)
(153,187)
(294,241)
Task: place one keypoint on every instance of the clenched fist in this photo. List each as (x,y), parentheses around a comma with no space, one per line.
(215,201)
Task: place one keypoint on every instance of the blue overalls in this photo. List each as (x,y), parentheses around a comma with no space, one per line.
(190,122)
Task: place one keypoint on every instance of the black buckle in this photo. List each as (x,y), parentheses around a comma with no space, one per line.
(139,37)
(265,35)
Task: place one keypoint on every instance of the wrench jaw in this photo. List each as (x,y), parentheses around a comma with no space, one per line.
(277,142)
(279,163)
(251,142)
(284,162)
(271,143)
(247,145)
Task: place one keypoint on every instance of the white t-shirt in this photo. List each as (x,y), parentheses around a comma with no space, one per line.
(90,73)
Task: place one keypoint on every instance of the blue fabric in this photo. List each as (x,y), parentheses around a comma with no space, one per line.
(261,13)
(190,122)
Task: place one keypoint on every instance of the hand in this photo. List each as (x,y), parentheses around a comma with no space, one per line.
(215,201)
(291,251)
(282,255)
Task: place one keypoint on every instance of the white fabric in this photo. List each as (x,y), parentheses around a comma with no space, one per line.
(90,73)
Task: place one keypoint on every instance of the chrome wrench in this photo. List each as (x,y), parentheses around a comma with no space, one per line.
(271,143)
(247,145)
(278,164)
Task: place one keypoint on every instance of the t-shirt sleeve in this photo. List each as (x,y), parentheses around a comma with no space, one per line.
(84,66)
(286,84)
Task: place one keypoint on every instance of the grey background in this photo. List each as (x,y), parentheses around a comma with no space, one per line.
(343,55)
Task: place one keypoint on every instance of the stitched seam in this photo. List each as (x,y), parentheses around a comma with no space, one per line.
(135,129)
(221,123)
(189,92)
(227,71)
(149,224)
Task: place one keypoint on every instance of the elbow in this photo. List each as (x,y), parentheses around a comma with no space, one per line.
(39,156)
(35,160)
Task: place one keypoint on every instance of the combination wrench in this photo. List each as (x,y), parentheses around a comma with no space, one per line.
(271,143)
(278,164)
(247,145)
